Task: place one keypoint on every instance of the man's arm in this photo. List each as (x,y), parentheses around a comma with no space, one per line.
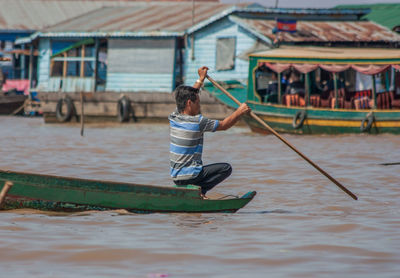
(229,121)
(202,76)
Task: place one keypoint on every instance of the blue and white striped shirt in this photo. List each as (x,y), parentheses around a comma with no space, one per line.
(186,146)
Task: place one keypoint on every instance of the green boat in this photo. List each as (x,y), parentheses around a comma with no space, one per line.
(56,193)
(375,110)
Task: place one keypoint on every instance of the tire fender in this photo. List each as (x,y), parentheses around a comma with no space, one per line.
(123,109)
(298,119)
(369,119)
(64,117)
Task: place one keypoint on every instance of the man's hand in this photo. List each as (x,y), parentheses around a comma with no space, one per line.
(229,121)
(244,109)
(202,73)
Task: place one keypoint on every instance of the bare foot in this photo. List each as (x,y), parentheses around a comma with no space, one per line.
(204,197)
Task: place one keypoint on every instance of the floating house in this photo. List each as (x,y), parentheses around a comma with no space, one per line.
(153,47)
(22,18)
(125,49)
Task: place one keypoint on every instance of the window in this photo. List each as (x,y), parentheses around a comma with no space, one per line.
(57,68)
(225,56)
(73,68)
(73,59)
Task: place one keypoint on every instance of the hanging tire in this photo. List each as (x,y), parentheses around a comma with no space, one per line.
(369,120)
(298,119)
(69,109)
(123,109)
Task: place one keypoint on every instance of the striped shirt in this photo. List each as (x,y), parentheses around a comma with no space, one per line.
(186,146)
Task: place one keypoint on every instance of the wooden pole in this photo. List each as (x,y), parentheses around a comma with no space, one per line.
(374,91)
(307,85)
(4,191)
(30,67)
(336,89)
(192,57)
(82,114)
(254,116)
(96,61)
(279,87)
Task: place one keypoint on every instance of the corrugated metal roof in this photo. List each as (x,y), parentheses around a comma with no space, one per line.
(38,14)
(323,31)
(141,17)
(386,14)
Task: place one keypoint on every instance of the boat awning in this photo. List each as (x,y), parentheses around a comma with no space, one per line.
(333,59)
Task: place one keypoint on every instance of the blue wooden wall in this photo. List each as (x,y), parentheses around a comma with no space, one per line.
(133,65)
(140,65)
(205,51)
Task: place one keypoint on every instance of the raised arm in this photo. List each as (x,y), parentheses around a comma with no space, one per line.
(202,75)
(229,121)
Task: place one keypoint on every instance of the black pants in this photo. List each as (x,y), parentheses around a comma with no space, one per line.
(210,176)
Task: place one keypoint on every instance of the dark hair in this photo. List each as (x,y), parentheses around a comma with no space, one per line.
(183,94)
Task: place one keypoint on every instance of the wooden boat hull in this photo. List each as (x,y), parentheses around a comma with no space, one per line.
(9,104)
(46,192)
(323,121)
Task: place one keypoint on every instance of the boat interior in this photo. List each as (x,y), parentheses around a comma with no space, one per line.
(353,90)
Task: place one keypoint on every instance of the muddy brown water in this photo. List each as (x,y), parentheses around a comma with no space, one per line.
(299,224)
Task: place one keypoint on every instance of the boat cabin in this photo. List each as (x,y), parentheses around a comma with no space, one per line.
(326,77)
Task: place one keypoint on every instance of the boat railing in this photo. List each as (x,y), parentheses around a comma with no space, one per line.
(356,100)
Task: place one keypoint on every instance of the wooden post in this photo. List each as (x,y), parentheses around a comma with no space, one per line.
(4,191)
(96,60)
(374,91)
(65,65)
(82,73)
(307,85)
(22,63)
(31,66)
(336,88)
(82,114)
(279,87)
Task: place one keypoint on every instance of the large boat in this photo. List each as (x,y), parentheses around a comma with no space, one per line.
(57,193)
(333,107)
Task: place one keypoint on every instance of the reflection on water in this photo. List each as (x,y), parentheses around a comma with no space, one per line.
(299,224)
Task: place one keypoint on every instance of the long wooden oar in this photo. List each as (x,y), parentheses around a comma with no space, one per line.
(254,116)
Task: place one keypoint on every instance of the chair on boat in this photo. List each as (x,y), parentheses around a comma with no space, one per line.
(315,100)
(395,102)
(383,100)
(294,100)
(362,99)
(326,99)
(348,100)
(340,99)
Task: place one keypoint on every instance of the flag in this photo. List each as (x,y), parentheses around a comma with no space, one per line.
(286,25)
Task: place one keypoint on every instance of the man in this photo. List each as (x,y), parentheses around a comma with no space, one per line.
(187,126)
(272,89)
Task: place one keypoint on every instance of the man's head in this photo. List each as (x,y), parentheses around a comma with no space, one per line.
(187,100)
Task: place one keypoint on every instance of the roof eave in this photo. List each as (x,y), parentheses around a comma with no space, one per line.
(120,34)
